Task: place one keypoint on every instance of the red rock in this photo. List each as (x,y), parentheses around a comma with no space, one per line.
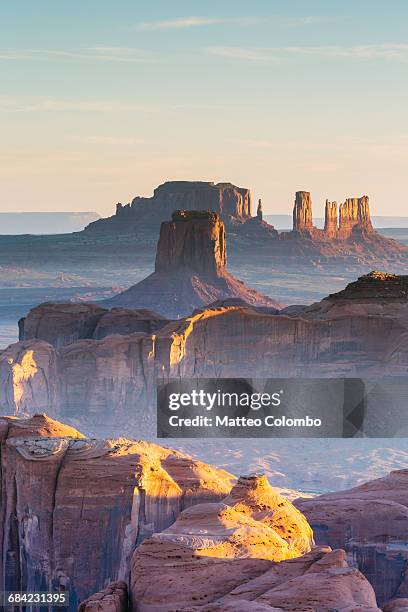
(60,324)
(190,269)
(354,214)
(124,321)
(112,382)
(112,599)
(331,222)
(73,509)
(302,212)
(369,522)
(317,582)
(232,203)
(211,549)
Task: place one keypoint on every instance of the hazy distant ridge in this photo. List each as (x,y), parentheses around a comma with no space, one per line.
(45,222)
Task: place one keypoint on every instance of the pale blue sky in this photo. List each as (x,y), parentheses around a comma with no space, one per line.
(101,101)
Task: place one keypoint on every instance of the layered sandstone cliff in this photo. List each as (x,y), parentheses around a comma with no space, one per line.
(234,556)
(212,548)
(369,522)
(62,324)
(190,269)
(231,203)
(73,509)
(112,381)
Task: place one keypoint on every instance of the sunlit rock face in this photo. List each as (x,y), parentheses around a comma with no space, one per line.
(190,269)
(354,214)
(302,212)
(73,509)
(350,219)
(358,332)
(369,522)
(211,548)
(231,203)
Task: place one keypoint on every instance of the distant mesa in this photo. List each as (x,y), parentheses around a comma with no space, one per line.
(231,203)
(348,234)
(190,270)
(233,206)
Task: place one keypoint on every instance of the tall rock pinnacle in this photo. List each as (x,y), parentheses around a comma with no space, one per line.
(190,270)
(302,212)
(331,218)
(259,212)
(194,240)
(354,213)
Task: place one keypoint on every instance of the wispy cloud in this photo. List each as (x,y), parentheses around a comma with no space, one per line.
(197,21)
(100,53)
(105,140)
(386,51)
(67,105)
(21,105)
(193,22)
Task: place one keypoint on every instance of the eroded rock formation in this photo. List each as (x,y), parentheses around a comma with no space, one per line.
(73,509)
(369,522)
(190,269)
(348,236)
(62,324)
(211,548)
(358,332)
(231,203)
(302,212)
(331,221)
(320,581)
(350,219)
(354,214)
(192,240)
(112,599)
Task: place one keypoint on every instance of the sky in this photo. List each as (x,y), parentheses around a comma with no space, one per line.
(101,100)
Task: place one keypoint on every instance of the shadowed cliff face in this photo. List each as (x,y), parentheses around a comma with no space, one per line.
(369,522)
(73,509)
(194,241)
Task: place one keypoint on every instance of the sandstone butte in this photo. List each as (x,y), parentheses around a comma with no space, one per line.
(73,509)
(232,203)
(190,269)
(348,236)
(62,368)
